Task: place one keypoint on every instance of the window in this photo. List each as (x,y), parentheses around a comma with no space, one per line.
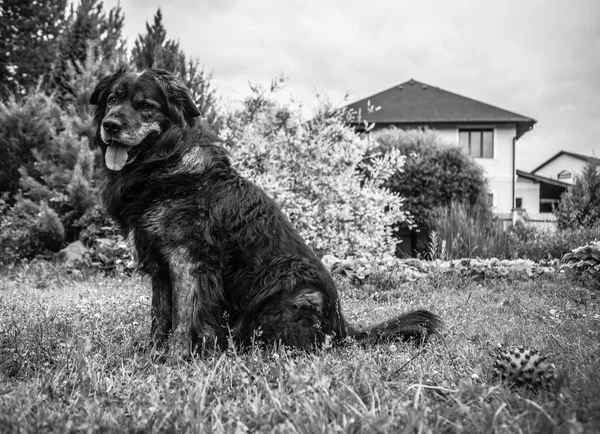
(548,205)
(480,143)
(519,202)
(565,174)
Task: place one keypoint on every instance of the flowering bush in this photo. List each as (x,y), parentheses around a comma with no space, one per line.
(314,171)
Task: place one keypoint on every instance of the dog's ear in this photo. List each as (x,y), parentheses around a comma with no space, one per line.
(102,84)
(94,99)
(181,104)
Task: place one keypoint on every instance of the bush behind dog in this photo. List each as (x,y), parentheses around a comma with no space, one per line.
(310,169)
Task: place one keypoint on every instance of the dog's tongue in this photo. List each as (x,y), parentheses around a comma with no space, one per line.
(116,157)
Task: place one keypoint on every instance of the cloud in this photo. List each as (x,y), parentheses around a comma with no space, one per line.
(537,58)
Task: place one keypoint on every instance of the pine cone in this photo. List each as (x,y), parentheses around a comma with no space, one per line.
(523,367)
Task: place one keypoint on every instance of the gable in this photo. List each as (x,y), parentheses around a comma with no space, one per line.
(563,160)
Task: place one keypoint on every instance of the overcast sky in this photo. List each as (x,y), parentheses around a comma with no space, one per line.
(538,58)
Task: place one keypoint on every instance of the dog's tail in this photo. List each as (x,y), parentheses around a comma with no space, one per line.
(416,326)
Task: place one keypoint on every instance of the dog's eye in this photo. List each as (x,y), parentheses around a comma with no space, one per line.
(146,106)
(111,100)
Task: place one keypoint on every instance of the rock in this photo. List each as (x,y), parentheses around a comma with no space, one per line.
(329,261)
(415,263)
(73,253)
(411,274)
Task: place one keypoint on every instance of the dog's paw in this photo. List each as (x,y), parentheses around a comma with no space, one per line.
(179,349)
(208,345)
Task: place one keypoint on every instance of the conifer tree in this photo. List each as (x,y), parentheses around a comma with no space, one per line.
(26,122)
(149,49)
(154,50)
(87,26)
(29,33)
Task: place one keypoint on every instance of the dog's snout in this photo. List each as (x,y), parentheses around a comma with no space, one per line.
(112,126)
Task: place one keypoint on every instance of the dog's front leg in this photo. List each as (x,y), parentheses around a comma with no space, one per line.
(184,284)
(162,307)
(197,303)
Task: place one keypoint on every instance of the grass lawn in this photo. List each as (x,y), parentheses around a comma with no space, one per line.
(74,357)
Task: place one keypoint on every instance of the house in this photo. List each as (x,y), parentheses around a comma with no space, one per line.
(538,195)
(489,133)
(563,166)
(538,192)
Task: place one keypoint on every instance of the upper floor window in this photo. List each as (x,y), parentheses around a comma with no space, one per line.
(479,142)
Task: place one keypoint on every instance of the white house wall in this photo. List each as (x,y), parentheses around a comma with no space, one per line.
(529,192)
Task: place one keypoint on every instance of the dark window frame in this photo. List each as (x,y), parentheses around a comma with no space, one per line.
(480,131)
(519,203)
(564,174)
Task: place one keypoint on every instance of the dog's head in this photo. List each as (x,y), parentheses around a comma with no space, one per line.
(132,110)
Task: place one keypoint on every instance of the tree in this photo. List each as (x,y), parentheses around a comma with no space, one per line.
(150,51)
(82,85)
(435,174)
(29,34)
(87,26)
(580,205)
(154,50)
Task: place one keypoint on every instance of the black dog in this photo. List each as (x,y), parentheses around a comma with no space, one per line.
(223,259)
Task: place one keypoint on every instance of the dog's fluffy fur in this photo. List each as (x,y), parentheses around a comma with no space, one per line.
(223,259)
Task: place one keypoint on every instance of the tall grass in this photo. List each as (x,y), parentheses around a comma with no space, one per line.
(462,231)
(538,244)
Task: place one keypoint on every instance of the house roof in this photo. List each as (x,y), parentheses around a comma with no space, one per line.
(581,157)
(542,179)
(413,102)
